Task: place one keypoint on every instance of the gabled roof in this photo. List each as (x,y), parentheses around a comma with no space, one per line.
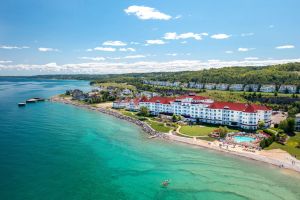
(244,107)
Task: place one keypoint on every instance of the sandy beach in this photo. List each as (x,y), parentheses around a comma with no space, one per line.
(275,157)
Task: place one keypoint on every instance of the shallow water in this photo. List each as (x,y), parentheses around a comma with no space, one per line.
(55,151)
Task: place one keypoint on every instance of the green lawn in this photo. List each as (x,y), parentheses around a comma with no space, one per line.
(159,126)
(197,130)
(290,146)
(129,114)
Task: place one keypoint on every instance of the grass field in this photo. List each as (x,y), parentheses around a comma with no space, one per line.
(159,126)
(196,130)
(290,147)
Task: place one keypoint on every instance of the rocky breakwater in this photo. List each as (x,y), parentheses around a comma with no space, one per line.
(145,127)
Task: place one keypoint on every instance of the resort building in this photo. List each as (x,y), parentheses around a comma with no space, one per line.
(222,86)
(297,120)
(251,88)
(236,87)
(210,86)
(203,109)
(267,88)
(292,89)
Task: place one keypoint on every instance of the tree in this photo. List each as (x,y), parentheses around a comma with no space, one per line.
(223,131)
(261,124)
(288,125)
(144,111)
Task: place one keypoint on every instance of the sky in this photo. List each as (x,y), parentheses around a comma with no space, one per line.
(124,36)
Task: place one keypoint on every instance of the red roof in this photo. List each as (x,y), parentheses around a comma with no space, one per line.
(238,106)
(162,100)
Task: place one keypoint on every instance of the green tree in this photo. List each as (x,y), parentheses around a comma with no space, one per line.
(261,124)
(144,111)
(287,125)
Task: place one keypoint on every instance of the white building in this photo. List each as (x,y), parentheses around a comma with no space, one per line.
(210,86)
(203,109)
(222,86)
(267,88)
(236,87)
(297,120)
(288,89)
(251,88)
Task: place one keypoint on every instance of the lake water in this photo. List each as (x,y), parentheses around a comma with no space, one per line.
(55,151)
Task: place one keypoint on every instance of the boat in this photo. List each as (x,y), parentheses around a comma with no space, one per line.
(22,104)
(31,100)
(39,99)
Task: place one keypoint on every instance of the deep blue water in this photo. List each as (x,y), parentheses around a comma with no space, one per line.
(56,151)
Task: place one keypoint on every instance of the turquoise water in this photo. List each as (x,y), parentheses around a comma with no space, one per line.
(55,151)
(243,139)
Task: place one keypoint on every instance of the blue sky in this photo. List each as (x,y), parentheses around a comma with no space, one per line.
(119,36)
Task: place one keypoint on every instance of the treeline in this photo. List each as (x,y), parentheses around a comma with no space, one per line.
(274,74)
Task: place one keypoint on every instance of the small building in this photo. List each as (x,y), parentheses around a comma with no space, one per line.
(126,92)
(297,121)
(251,88)
(291,89)
(222,86)
(267,88)
(210,86)
(236,87)
(78,95)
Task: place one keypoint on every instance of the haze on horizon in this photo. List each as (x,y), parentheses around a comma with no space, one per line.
(86,37)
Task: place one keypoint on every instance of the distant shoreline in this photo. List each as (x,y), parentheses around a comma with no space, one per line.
(275,157)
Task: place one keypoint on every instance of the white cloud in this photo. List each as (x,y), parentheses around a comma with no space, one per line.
(45,49)
(171,54)
(271,26)
(220,36)
(124,67)
(251,58)
(93,58)
(114,43)
(155,42)
(242,49)
(13,47)
(134,43)
(134,56)
(229,52)
(178,17)
(5,61)
(175,36)
(247,34)
(110,49)
(183,42)
(127,49)
(288,46)
(146,13)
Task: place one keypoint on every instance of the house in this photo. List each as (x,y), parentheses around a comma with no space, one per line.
(222,86)
(199,85)
(203,109)
(78,95)
(191,84)
(292,89)
(267,88)
(210,86)
(297,121)
(148,94)
(251,88)
(126,92)
(236,87)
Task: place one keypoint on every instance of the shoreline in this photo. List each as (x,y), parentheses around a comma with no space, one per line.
(274,157)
